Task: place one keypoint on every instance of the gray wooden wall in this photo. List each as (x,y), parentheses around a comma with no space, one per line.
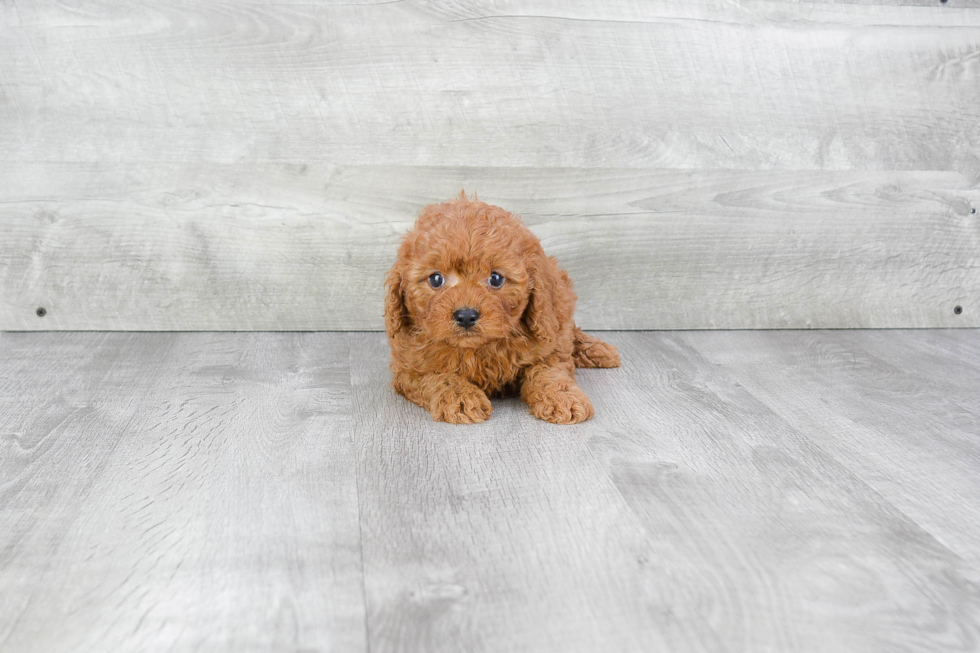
(693,163)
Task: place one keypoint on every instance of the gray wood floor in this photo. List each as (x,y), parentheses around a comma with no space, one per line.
(737,491)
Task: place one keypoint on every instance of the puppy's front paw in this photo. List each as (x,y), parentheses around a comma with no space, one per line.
(466,405)
(563,406)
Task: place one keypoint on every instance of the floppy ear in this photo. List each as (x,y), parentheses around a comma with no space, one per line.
(541,314)
(396,315)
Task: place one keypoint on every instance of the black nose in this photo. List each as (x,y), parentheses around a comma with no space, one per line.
(466,317)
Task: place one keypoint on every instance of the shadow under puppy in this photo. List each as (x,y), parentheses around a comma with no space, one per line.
(474,308)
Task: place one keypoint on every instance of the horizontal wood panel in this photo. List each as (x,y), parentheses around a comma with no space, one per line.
(708,164)
(674,84)
(297,247)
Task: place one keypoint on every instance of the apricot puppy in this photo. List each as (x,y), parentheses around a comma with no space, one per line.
(475,309)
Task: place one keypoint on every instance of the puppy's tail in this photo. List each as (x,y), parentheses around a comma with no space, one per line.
(589,351)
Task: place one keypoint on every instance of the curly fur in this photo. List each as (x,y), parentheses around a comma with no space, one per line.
(524,341)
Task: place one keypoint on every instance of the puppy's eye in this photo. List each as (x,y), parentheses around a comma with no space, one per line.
(436,280)
(496,280)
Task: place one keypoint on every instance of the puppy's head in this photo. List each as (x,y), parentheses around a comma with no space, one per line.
(469,273)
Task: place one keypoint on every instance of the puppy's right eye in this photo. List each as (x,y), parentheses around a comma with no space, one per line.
(436,280)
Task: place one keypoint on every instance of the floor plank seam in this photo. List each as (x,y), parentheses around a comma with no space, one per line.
(872,492)
(738,491)
(854,474)
(357,490)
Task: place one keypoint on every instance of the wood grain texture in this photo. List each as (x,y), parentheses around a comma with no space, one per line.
(709,164)
(962,347)
(754,84)
(504,536)
(301,247)
(755,537)
(735,492)
(748,514)
(191,492)
(863,384)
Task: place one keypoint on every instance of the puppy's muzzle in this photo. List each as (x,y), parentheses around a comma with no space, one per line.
(466,317)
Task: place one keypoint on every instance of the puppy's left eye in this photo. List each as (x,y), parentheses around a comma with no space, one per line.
(496,280)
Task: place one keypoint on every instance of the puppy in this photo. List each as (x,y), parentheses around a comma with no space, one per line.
(475,309)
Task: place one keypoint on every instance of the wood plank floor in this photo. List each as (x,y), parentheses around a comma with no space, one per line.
(736,491)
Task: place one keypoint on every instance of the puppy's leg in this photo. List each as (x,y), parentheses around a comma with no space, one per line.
(552,394)
(591,352)
(449,397)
